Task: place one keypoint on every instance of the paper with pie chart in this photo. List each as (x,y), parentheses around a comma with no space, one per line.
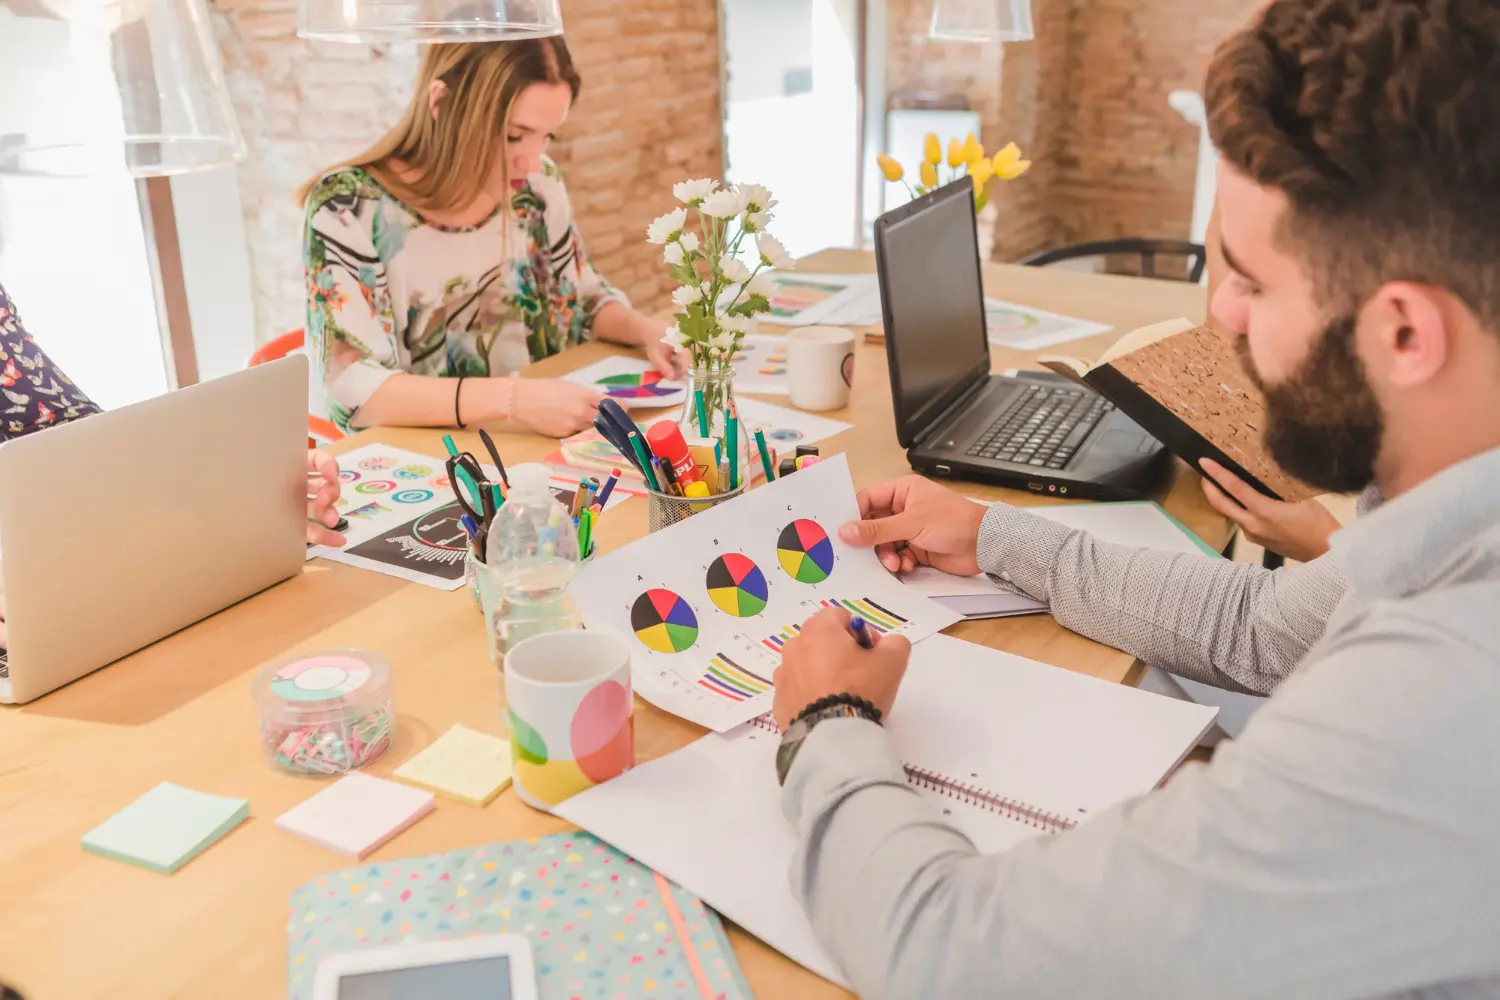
(631,382)
(707,606)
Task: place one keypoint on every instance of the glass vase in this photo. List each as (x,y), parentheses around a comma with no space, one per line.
(715,387)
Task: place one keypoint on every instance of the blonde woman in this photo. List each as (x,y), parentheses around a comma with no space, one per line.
(445,257)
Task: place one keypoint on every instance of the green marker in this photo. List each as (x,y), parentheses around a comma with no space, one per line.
(765,455)
(644,460)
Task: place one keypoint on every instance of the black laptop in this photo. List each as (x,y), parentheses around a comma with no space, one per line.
(1041,433)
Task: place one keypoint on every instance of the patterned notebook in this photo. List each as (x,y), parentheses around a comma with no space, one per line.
(601,925)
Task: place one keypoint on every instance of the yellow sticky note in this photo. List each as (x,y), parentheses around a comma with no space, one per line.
(462,764)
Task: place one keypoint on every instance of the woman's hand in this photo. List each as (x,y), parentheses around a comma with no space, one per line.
(620,324)
(1296,530)
(554,407)
(322,494)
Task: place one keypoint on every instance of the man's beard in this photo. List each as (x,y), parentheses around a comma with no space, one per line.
(1323,424)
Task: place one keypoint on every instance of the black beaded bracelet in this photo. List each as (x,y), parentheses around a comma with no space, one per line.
(853,701)
(458,394)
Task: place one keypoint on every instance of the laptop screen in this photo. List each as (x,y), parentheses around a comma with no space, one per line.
(927,253)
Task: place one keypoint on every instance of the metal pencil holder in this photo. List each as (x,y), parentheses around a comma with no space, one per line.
(666,510)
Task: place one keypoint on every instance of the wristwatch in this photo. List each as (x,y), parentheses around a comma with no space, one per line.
(791,740)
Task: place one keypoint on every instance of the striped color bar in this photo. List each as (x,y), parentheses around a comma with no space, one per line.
(728,679)
(775,642)
(878,618)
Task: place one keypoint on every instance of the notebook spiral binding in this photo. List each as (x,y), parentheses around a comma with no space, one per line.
(969,795)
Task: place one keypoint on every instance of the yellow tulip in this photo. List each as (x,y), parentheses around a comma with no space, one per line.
(955,153)
(981,171)
(892,169)
(929,175)
(932,149)
(1008,164)
(972,149)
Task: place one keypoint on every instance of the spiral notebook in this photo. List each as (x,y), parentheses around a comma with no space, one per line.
(1007,748)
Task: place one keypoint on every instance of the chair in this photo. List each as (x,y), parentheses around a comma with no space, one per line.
(1147,249)
(318,428)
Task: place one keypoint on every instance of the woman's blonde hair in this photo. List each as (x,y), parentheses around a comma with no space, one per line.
(452,152)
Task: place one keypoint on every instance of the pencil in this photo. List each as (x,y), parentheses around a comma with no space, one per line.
(644,461)
(765,455)
(732,445)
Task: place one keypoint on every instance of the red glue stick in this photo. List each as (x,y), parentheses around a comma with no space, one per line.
(667,444)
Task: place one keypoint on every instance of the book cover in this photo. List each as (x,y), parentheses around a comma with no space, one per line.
(1185,385)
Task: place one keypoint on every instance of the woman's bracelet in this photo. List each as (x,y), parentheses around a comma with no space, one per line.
(458,394)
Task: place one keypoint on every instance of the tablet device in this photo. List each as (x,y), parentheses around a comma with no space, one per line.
(494,967)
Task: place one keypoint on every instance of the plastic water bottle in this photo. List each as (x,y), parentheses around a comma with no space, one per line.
(532,556)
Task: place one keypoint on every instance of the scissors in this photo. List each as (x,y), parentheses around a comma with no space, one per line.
(470,487)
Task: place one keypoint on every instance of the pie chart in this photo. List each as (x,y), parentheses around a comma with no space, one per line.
(805,551)
(642,386)
(663,621)
(737,585)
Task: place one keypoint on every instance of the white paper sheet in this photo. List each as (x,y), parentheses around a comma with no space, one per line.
(1139,523)
(779,543)
(760,366)
(633,383)
(786,428)
(1013,325)
(820,299)
(1035,735)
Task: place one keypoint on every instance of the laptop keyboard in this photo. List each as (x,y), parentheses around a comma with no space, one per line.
(1043,426)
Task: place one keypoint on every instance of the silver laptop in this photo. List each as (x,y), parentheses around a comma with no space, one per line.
(121,528)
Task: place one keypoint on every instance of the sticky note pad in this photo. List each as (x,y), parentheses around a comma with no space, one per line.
(356,814)
(166,828)
(462,764)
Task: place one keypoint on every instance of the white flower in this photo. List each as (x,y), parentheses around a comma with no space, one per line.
(734,270)
(675,337)
(668,227)
(689,242)
(724,204)
(756,222)
(736,324)
(685,296)
(722,341)
(757,197)
(693,192)
(673,254)
(762,284)
(772,253)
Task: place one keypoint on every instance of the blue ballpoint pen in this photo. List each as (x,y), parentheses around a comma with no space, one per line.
(861,632)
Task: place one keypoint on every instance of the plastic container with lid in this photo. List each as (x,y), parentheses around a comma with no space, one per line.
(324,712)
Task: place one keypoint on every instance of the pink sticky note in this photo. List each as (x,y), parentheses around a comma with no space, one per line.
(357,814)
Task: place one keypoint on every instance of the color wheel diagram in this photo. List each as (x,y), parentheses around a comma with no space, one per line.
(737,586)
(642,386)
(663,621)
(805,551)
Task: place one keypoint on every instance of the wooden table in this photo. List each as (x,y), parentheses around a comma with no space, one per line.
(77,927)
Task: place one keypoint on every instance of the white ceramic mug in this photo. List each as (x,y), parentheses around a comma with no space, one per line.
(820,367)
(571,716)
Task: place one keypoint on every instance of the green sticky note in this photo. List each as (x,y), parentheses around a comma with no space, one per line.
(166,828)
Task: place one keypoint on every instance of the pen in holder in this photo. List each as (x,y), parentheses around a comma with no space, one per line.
(665,509)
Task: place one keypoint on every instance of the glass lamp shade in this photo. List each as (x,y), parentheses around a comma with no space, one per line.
(982,21)
(93,86)
(428,20)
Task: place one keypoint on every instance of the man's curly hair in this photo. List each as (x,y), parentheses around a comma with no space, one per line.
(1380,122)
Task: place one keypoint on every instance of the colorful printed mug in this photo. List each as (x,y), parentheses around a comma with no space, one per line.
(571,721)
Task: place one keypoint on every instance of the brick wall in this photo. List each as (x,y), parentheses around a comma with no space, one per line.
(1087,101)
(306,105)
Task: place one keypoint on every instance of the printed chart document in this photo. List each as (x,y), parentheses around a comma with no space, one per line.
(1006,748)
(1141,523)
(706,605)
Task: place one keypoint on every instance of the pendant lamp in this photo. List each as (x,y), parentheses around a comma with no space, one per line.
(100,85)
(428,20)
(982,21)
